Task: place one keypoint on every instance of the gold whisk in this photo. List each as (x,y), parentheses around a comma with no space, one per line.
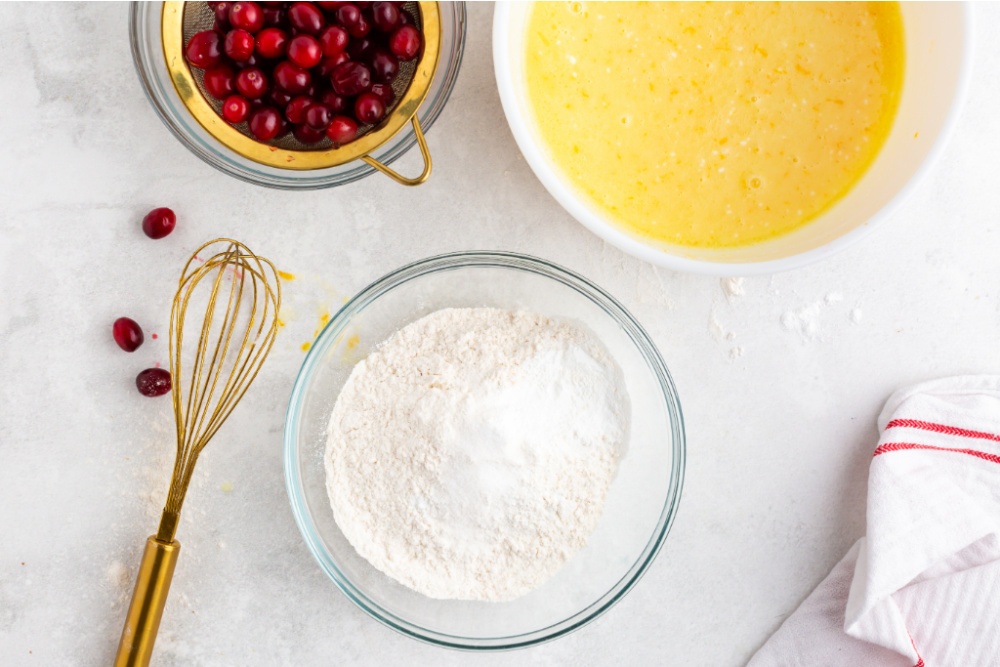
(242,294)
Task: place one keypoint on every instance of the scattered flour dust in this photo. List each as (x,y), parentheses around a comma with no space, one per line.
(469,456)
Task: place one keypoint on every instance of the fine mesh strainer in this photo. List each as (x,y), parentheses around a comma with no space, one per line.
(181,20)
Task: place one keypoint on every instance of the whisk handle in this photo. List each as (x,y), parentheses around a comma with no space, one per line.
(148,600)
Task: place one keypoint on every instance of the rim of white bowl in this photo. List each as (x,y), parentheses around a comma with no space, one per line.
(546,172)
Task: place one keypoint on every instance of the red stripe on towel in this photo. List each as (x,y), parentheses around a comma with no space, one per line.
(897,446)
(941,428)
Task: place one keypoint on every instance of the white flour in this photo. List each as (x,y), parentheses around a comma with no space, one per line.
(469,455)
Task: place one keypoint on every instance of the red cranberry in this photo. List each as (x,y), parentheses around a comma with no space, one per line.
(369,108)
(385,67)
(278,98)
(334,40)
(305,51)
(251,83)
(336,103)
(405,43)
(296,109)
(265,123)
(342,130)
(204,49)
(235,109)
(350,79)
(329,6)
(159,222)
(308,135)
(385,16)
(127,333)
(273,16)
(318,116)
(293,80)
(360,49)
(253,61)
(219,81)
(272,43)
(404,17)
(153,382)
(238,45)
(221,11)
(306,17)
(246,16)
(384,92)
(361,28)
(348,15)
(327,65)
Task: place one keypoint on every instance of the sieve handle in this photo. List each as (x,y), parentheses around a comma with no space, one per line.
(424,153)
(148,600)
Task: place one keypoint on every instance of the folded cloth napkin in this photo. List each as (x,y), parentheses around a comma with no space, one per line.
(923,586)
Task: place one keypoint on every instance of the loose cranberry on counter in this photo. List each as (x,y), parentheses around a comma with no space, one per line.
(272,43)
(153,382)
(246,16)
(369,108)
(306,17)
(296,109)
(293,80)
(385,67)
(342,130)
(220,81)
(307,135)
(334,40)
(204,49)
(305,51)
(239,45)
(405,42)
(235,109)
(251,82)
(127,333)
(318,116)
(159,222)
(265,123)
(385,16)
(350,79)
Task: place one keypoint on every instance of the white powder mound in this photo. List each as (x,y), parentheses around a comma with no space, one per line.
(469,456)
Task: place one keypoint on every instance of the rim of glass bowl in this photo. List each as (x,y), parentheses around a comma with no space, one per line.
(507,260)
(147,56)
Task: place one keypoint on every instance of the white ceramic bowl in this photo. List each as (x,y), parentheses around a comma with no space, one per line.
(938,40)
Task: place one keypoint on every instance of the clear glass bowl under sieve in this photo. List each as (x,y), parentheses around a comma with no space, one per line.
(641,503)
(147,53)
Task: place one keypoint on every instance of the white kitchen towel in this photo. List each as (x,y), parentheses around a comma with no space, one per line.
(922,588)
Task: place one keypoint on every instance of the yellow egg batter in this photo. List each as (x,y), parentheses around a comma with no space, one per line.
(714,124)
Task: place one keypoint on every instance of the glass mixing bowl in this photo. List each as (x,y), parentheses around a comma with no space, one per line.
(641,502)
(147,52)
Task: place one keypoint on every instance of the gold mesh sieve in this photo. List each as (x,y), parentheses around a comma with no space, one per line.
(181,20)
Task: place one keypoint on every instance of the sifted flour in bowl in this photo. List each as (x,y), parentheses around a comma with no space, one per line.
(470,454)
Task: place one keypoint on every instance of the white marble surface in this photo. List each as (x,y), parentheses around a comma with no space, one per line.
(780,420)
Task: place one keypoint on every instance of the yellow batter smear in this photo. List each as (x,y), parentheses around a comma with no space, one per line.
(714,124)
